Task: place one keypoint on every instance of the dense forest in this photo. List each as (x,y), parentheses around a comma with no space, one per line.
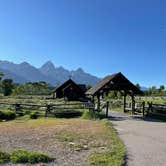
(8,87)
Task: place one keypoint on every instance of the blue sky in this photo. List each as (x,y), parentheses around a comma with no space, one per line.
(100,36)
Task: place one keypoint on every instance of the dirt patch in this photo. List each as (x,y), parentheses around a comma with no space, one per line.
(70,141)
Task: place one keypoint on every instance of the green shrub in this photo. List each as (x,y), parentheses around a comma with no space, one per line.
(20,113)
(7,115)
(19,156)
(67,113)
(26,117)
(23,156)
(92,115)
(115,155)
(4,157)
(65,136)
(34,115)
(27,112)
(36,157)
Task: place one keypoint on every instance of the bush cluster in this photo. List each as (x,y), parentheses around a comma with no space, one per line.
(23,156)
(4,157)
(93,115)
(67,113)
(7,115)
(34,115)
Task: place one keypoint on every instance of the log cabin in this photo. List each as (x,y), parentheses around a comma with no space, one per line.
(70,91)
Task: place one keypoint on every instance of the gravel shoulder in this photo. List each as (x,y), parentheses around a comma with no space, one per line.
(145,139)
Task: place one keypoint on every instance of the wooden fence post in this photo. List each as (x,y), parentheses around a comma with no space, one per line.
(107,108)
(149,107)
(98,103)
(124,103)
(133,104)
(48,109)
(143,108)
(17,107)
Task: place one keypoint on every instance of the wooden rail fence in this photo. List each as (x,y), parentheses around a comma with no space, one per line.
(148,108)
(139,107)
(48,108)
(156,109)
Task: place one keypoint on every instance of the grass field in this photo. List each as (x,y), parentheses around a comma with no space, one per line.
(69,141)
(33,99)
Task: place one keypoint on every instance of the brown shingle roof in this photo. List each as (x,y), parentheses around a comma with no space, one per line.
(115,81)
(66,84)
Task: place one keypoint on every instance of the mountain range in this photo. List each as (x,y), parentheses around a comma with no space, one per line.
(25,72)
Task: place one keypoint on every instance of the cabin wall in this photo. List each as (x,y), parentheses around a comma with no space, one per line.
(70,93)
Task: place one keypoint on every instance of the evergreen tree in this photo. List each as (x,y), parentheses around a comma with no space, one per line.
(7,86)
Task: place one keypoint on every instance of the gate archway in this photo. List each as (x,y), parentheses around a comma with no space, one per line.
(114,82)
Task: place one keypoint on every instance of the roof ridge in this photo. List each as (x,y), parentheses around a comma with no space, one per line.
(128,85)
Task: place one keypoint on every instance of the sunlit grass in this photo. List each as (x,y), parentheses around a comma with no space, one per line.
(96,136)
(24,156)
(115,154)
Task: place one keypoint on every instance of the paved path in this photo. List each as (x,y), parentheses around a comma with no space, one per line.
(145,139)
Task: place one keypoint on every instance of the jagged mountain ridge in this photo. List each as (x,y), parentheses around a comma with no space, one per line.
(25,72)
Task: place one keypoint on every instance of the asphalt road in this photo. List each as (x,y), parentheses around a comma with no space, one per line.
(145,139)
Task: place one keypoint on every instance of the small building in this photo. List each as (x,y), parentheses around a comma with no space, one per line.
(70,91)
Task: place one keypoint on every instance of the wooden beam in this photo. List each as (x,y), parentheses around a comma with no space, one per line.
(133,103)
(92,99)
(98,102)
(124,102)
(143,108)
(107,109)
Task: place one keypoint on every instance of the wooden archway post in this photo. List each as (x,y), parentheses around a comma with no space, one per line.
(93,99)
(98,102)
(133,103)
(124,101)
(107,108)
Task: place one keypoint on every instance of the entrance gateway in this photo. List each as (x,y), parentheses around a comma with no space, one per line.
(114,82)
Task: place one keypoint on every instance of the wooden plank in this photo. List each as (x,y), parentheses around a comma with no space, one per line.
(164,105)
(56,106)
(124,102)
(152,113)
(107,108)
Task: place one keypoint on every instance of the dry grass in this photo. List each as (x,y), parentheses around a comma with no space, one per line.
(72,141)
